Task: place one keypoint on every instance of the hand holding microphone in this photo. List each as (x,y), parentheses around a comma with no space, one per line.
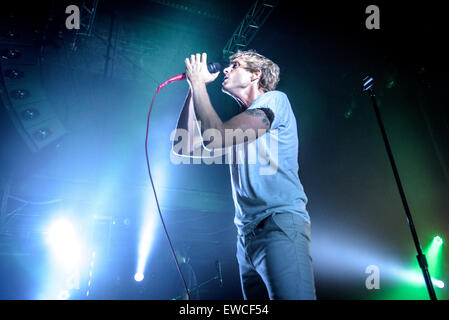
(197,69)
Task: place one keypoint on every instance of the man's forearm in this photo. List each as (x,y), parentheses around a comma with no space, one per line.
(187,116)
(203,108)
(187,123)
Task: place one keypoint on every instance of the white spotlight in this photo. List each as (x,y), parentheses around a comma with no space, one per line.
(65,244)
(138,276)
(149,224)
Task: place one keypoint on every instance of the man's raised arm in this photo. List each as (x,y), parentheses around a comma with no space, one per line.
(186,137)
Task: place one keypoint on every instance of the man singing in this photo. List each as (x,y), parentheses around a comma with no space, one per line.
(270,205)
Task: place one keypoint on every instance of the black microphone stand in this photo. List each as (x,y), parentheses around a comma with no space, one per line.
(368,87)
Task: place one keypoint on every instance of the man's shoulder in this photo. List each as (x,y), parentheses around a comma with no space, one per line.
(272,97)
(276,94)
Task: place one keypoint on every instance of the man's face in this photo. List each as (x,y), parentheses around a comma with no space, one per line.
(236,77)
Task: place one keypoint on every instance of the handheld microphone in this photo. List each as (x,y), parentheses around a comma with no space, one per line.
(211,67)
(214,67)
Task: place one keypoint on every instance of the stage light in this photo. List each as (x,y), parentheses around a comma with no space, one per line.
(390,84)
(20,94)
(138,276)
(42,134)
(416,278)
(89,283)
(66,260)
(147,233)
(10,54)
(434,256)
(438,283)
(145,243)
(438,240)
(351,258)
(59,232)
(30,114)
(64,242)
(11,34)
(13,74)
(348,114)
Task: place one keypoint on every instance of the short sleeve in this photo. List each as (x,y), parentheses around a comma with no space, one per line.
(279,105)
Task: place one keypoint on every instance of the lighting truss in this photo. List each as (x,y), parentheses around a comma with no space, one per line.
(248,28)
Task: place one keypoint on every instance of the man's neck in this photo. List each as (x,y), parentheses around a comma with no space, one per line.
(245,99)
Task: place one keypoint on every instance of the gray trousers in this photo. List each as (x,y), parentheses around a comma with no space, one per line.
(274,260)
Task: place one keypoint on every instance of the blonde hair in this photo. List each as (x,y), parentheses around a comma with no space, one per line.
(254,61)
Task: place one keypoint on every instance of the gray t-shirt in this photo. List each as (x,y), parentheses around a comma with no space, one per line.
(264,172)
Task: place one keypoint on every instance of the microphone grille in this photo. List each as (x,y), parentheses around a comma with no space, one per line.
(214,67)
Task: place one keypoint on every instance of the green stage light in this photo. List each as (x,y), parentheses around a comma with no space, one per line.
(438,240)
(434,251)
(413,285)
(438,283)
(434,258)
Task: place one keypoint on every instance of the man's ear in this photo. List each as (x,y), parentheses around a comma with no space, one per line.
(256,75)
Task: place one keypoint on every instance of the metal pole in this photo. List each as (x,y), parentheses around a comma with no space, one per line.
(420,256)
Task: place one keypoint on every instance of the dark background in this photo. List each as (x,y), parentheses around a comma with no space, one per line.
(324,51)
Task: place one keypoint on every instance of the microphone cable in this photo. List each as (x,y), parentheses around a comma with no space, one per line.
(212,67)
(172,79)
